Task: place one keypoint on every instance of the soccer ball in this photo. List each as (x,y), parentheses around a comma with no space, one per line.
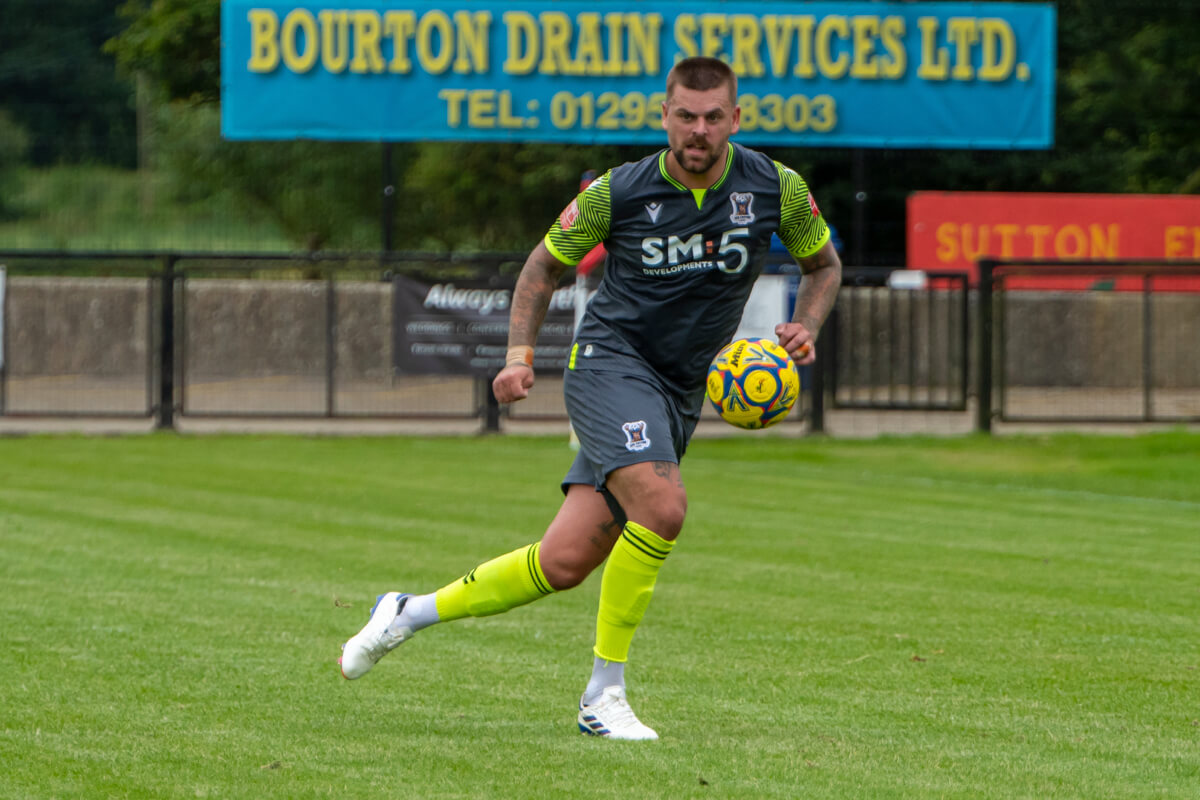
(752,383)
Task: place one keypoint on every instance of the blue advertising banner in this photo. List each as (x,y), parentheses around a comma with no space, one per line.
(846,74)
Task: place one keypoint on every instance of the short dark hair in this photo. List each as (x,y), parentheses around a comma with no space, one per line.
(701,73)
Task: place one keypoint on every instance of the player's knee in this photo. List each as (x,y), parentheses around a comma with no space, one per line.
(665,516)
(657,501)
(564,570)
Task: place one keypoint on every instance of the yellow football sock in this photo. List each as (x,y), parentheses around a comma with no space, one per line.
(494,587)
(626,588)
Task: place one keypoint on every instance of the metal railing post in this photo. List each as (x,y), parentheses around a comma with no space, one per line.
(3,308)
(491,414)
(166,348)
(1147,348)
(983,419)
(825,359)
(330,345)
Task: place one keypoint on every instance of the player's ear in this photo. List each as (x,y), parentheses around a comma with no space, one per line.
(664,115)
(737,119)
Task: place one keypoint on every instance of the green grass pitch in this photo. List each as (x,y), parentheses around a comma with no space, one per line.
(902,618)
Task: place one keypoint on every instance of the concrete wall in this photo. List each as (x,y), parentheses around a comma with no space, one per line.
(102,327)
(65,326)
(240,328)
(1051,339)
(1097,339)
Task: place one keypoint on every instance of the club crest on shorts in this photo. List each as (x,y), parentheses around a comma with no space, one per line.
(635,435)
(742,215)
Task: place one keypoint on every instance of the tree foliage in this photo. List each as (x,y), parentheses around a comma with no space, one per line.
(14,144)
(1127,97)
(1128,78)
(58,86)
(178,42)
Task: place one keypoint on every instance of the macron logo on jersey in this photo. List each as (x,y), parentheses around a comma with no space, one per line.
(653,209)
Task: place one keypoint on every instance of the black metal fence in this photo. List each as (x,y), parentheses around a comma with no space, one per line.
(900,344)
(1089,342)
(158,336)
(140,335)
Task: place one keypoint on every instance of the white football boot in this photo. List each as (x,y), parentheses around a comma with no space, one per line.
(376,639)
(611,717)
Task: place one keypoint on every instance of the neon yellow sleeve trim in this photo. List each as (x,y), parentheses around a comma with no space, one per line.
(554,251)
(824,238)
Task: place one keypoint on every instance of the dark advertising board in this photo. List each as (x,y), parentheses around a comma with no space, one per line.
(461,327)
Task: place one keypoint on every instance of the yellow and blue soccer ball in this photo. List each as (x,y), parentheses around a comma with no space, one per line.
(752,383)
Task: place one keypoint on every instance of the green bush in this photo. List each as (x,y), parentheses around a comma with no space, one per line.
(14,145)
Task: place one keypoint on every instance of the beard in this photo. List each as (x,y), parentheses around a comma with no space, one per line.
(695,163)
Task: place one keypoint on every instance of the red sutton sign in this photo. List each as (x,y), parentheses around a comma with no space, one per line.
(953,230)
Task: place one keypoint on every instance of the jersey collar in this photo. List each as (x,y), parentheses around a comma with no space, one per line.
(697,193)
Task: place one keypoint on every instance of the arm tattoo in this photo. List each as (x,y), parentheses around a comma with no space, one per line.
(818,288)
(531,298)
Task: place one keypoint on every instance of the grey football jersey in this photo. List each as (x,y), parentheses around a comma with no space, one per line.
(681,262)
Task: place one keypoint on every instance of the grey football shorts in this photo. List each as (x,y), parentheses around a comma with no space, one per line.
(621,418)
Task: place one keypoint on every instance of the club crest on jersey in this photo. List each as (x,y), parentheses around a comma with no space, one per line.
(742,215)
(635,436)
(566,220)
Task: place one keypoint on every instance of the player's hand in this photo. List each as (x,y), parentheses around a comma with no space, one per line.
(513,383)
(798,341)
